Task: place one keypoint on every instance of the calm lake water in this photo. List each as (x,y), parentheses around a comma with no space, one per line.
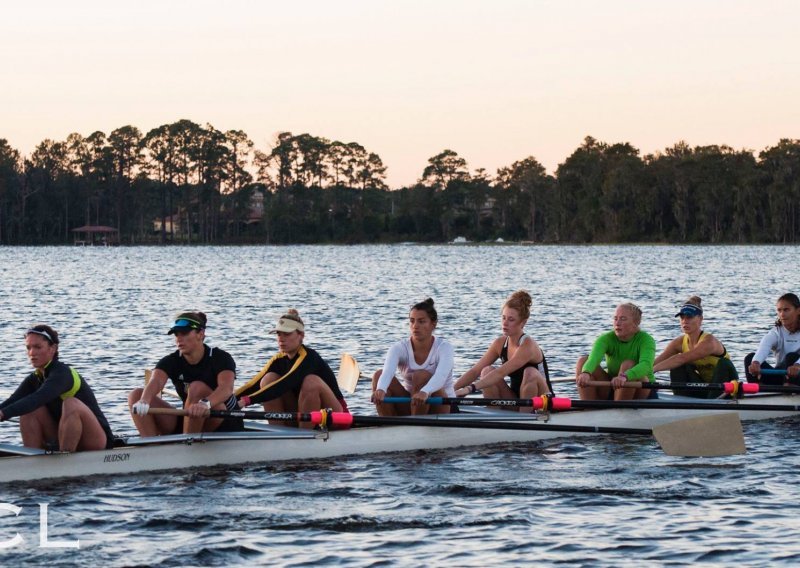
(606,501)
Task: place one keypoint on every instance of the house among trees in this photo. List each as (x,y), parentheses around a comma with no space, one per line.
(96,235)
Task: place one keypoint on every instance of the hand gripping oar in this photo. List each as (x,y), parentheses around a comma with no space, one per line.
(558,403)
(716,435)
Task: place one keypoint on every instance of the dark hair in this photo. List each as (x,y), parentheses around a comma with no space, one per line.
(45,332)
(427,307)
(792,299)
(520,301)
(199,317)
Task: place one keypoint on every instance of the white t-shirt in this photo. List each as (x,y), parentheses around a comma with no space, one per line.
(780,341)
(400,363)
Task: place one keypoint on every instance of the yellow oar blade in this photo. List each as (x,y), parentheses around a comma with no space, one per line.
(348,373)
(714,435)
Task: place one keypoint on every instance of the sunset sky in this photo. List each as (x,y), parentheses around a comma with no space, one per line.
(495,80)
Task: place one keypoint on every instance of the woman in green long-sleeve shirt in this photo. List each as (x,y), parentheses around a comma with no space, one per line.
(629,353)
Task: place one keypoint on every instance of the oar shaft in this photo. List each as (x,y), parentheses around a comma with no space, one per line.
(730,387)
(455,423)
(559,403)
(314,417)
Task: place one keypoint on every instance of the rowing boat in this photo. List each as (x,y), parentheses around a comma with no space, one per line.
(263,443)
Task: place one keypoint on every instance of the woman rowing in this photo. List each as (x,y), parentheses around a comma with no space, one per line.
(203,377)
(418,367)
(56,407)
(696,356)
(521,359)
(296,379)
(629,353)
(783,340)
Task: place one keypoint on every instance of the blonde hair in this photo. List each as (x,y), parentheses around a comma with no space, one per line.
(635,310)
(520,301)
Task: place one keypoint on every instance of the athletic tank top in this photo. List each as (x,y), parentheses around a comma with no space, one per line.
(516,376)
(706,365)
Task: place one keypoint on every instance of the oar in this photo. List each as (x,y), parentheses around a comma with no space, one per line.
(735,388)
(149,373)
(559,403)
(349,373)
(713,435)
(315,417)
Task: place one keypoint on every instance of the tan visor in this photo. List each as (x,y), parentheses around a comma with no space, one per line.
(287,325)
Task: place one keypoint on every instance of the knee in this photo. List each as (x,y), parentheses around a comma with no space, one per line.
(581,361)
(531,375)
(311,384)
(197,390)
(70,406)
(625,365)
(376,376)
(135,396)
(420,378)
(486,370)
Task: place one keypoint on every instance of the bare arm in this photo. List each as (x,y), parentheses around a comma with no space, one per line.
(157,382)
(708,346)
(526,353)
(491,355)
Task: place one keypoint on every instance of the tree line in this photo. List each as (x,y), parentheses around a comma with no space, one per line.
(187,183)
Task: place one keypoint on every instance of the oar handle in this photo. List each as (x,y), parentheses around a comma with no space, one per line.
(315,417)
(627,385)
(777,372)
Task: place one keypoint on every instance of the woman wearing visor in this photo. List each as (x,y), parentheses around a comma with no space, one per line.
(203,377)
(296,379)
(56,407)
(695,356)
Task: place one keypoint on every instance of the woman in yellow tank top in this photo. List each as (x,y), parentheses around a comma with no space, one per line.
(695,356)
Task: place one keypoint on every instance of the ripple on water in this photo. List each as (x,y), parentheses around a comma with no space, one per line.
(593,501)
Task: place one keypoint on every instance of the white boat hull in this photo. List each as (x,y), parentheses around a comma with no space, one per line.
(274,444)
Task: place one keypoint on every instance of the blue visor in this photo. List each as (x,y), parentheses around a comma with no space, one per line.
(184,324)
(690,310)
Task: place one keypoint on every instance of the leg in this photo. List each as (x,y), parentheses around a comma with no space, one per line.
(79,428)
(196,392)
(38,428)
(685,374)
(497,389)
(599,374)
(394,389)
(533,384)
(152,425)
(723,373)
(626,393)
(314,395)
(287,402)
(791,359)
(747,360)
(418,380)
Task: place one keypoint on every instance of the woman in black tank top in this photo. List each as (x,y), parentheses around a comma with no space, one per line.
(521,359)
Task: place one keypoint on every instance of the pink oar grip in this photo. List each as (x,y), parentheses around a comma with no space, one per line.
(341,419)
